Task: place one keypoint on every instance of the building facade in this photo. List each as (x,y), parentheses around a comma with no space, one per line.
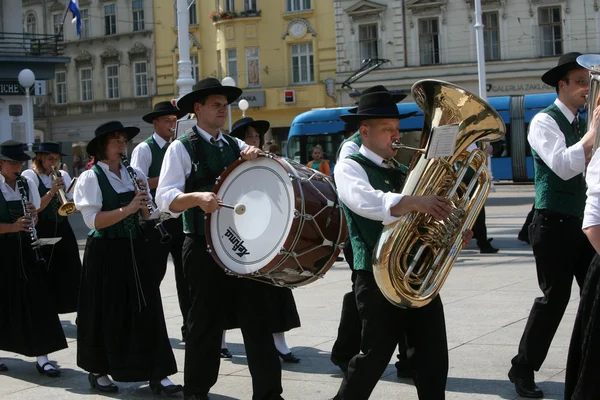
(420,39)
(111,71)
(280,52)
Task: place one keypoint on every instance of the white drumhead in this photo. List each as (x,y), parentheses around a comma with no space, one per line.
(246,243)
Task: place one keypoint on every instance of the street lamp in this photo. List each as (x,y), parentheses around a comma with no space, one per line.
(243,105)
(228,81)
(27,80)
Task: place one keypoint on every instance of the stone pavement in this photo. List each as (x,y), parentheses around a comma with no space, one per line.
(487,300)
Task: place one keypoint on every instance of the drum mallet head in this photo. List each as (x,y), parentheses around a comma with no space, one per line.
(239,208)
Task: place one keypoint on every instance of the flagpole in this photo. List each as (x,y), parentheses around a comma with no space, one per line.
(60,31)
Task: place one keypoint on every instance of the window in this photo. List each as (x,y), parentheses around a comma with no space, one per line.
(549,20)
(250,5)
(298,5)
(302,63)
(253,66)
(31,23)
(192,12)
(85,23)
(112,81)
(110,19)
(140,78)
(57,23)
(367,40)
(232,64)
(137,7)
(228,5)
(219,65)
(491,36)
(195,70)
(85,77)
(429,41)
(60,87)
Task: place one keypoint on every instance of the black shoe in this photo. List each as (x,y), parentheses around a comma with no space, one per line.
(3,367)
(196,397)
(112,388)
(52,372)
(489,249)
(403,370)
(525,387)
(225,353)
(339,259)
(289,357)
(158,387)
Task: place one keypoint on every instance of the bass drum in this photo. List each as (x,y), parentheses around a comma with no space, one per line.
(292,228)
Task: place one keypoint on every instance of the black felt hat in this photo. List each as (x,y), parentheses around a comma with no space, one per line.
(50,148)
(376,105)
(566,62)
(396,98)
(161,109)
(108,128)
(11,150)
(239,128)
(206,87)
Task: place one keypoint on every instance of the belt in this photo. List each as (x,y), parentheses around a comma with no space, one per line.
(559,216)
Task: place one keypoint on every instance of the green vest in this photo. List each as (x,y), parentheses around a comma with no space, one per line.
(50,213)
(356,138)
(111,200)
(208,163)
(551,192)
(10,211)
(158,156)
(364,232)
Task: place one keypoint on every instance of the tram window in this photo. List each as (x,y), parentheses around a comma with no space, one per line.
(501,148)
(300,147)
(527,146)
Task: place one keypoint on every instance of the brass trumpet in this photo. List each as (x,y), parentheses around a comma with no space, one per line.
(66,207)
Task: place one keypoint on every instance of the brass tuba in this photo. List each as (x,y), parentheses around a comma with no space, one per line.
(591,62)
(414,255)
(66,207)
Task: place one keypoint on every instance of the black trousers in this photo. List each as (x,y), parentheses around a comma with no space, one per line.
(216,295)
(160,256)
(480,229)
(562,251)
(382,323)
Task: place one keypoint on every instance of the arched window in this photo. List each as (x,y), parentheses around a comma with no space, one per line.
(31,23)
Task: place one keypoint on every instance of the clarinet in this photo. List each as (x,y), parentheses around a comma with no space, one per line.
(36,245)
(165,237)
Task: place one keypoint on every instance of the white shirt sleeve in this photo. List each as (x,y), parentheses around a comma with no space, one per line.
(67,179)
(29,173)
(243,146)
(591,215)
(347,149)
(88,197)
(546,138)
(34,194)
(358,195)
(176,167)
(141,157)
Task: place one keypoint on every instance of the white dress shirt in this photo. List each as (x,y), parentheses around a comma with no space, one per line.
(176,167)
(358,195)
(348,148)
(591,215)
(47,180)
(141,157)
(88,196)
(546,138)
(14,195)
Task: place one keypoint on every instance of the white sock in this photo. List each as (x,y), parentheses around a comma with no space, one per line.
(223,342)
(166,382)
(41,360)
(104,380)
(280,345)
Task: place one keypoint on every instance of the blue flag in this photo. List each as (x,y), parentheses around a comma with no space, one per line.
(74,8)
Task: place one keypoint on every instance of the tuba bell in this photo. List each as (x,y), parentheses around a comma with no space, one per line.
(591,62)
(414,255)
(66,207)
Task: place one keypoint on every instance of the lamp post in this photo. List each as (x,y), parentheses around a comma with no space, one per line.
(243,105)
(228,81)
(27,80)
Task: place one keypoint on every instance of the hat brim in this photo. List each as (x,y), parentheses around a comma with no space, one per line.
(186,103)
(130,131)
(353,117)
(260,126)
(552,76)
(49,152)
(25,156)
(153,115)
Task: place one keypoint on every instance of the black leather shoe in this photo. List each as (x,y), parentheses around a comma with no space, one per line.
(289,357)
(196,397)
(403,370)
(158,387)
(225,353)
(525,387)
(489,249)
(52,372)
(112,388)
(3,367)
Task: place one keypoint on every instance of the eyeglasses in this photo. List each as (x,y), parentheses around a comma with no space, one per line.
(580,82)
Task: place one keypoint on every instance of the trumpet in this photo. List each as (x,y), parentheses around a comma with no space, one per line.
(165,237)
(66,207)
(36,245)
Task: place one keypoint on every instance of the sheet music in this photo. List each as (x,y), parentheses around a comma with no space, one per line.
(443,141)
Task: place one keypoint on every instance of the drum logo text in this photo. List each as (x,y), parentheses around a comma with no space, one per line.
(238,244)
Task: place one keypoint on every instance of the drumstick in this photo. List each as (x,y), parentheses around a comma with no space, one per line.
(238,208)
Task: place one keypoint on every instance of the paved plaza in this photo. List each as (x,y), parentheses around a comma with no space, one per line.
(487,299)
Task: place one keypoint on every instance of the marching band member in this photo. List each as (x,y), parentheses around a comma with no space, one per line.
(148,157)
(30,324)
(121,328)
(62,258)
(188,174)
(284,315)
(560,148)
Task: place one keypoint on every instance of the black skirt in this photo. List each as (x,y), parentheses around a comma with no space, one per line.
(29,324)
(121,328)
(583,362)
(64,264)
